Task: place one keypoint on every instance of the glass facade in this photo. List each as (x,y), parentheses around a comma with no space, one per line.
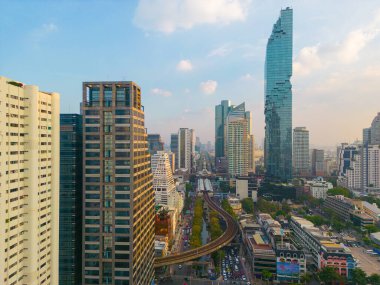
(118,237)
(70,232)
(278,99)
(221,112)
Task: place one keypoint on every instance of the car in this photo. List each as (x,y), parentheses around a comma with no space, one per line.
(179,266)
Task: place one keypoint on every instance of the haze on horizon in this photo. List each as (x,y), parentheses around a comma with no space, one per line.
(188,55)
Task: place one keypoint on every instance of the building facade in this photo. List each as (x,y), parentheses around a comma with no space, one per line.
(317,162)
(118,229)
(318,188)
(163,182)
(70,200)
(278,99)
(301,156)
(246,187)
(221,112)
(155,143)
(29,184)
(251,154)
(174,148)
(186,148)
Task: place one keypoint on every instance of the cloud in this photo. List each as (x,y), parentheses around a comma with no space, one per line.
(161,92)
(42,32)
(209,87)
(247,77)
(221,51)
(168,16)
(184,65)
(345,52)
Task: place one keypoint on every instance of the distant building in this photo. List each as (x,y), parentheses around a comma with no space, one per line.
(174,147)
(318,188)
(350,166)
(372,210)
(237,132)
(278,99)
(251,154)
(221,112)
(246,187)
(340,205)
(172,160)
(301,156)
(186,148)
(375,237)
(317,162)
(155,143)
(235,204)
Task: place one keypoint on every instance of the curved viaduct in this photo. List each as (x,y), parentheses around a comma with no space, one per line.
(223,240)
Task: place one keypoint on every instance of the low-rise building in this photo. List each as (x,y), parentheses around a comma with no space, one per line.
(372,210)
(161,246)
(322,251)
(340,205)
(375,237)
(246,187)
(235,204)
(361,219)
(318,188)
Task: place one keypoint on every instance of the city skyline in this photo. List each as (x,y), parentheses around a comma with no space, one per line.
(334,62)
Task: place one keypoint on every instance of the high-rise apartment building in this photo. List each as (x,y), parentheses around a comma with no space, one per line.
(221,112)
(251,154)
(163,182)
(301,155)
(186,148)
(118,230)
(70,200)
(155,143)
(278,99)
(317,162)
(29,184)
(174,148)
(236,145)
(370,157)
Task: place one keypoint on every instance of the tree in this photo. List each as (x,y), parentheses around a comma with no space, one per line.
(328,275)
(359,277)
(306,278)
(267,275)
(372,229)
(374,279)
(340,191)
(247,204)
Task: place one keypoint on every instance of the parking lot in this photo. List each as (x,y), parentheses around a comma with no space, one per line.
(369,263)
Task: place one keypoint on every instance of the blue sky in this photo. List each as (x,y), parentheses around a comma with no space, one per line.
(188,55)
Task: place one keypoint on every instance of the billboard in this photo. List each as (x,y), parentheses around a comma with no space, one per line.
(287,268)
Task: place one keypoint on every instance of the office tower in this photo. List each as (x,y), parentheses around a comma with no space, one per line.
(155,143)
(346,154)
(370,157)
(70,200)
(301,156)
(221,112)
(185,148)
(174,147)
(163,182)
(278,99)
(198,144)
(29,184)
(118,232)
(237,133)
(317,162)
(251,154)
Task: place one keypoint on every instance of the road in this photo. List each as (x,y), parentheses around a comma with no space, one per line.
(231,231)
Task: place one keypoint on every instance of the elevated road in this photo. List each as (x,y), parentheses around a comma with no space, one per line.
(231,231)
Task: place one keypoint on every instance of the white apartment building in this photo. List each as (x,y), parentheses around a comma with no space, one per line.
(186,140)
(371,210)
(319,187)
(29,184)
(373,162)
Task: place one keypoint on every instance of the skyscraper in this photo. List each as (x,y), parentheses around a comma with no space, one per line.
(155,143)
(221,112)
(29,184)
(278,99)
(301,155)
(317,162)
(186,148)
(174,148)
(236,145)
(118,231)
(70,200)
(163,182)
(251,154)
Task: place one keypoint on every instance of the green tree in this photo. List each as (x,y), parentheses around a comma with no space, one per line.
(328,275)
(227,207)
(340,191)
(374,279)
(359,277)
(306,278)
(247,204)
(267,275)
(372,229)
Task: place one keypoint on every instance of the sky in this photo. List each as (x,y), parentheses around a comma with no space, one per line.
(188,55)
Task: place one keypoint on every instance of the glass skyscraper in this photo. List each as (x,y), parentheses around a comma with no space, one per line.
(221,112)
(278,99)
(70,200)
